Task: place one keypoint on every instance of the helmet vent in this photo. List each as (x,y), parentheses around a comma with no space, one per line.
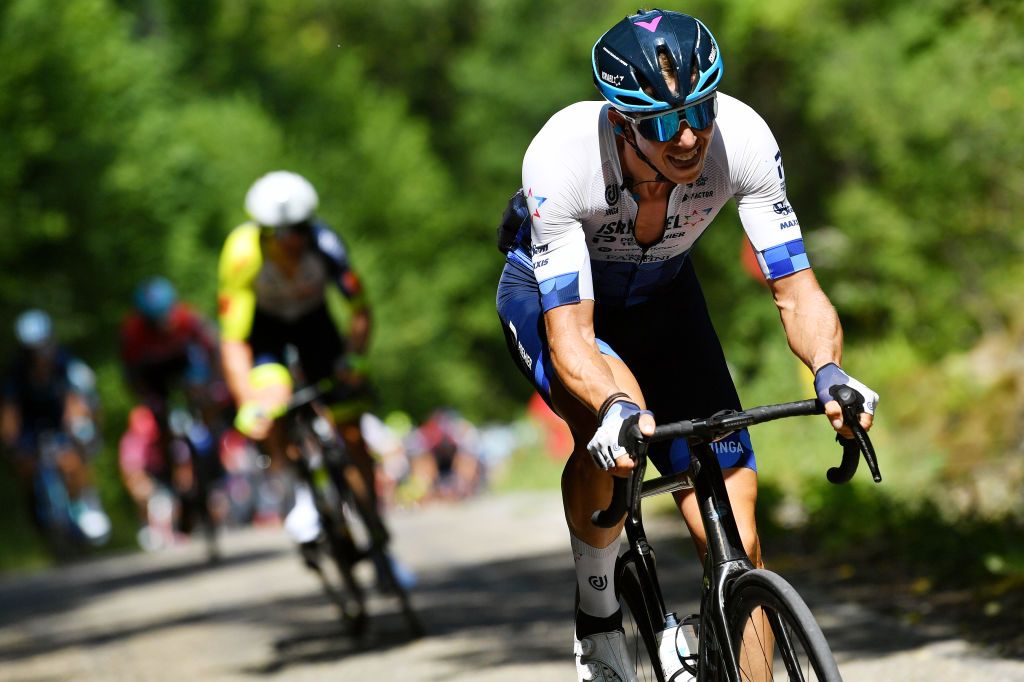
(669,69)
(644,84)
(632,101)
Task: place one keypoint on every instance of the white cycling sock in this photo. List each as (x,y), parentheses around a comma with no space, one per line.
(595,569)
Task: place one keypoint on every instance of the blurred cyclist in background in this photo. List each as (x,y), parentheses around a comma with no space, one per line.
(168,350)
(277,273)
(445,458)
(49,401)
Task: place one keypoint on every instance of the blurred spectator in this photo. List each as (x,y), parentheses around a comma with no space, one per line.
(445,460)
(386,441)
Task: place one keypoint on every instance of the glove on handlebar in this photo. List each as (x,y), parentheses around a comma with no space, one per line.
(831,375)
(607,443)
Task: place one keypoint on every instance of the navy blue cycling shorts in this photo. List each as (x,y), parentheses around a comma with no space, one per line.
(315,337)
(668,342)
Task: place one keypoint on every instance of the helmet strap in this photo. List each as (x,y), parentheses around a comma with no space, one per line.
(631,141)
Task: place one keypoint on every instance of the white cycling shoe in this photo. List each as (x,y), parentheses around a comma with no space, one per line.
(603,658)
(303,521)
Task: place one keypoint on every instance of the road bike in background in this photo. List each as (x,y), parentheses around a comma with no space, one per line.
(352,530)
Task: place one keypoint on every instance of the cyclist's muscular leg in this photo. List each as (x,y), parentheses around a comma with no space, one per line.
(365,486)
(73,470)
(742,486)
(585,488)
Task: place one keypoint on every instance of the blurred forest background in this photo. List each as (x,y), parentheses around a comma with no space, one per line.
(132,129)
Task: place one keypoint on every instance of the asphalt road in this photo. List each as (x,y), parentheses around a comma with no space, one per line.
(494,591)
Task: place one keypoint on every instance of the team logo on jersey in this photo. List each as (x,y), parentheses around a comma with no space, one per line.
(782,208)
(537,200)
(782,173)
(599,582)
(611,194)
(693,218)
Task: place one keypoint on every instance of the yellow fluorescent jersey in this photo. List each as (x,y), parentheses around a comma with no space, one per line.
(248,281)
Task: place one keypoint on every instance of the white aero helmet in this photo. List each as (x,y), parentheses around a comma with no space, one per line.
(281,199)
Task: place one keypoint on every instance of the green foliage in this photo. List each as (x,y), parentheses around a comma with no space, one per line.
(133,128)
(860,522)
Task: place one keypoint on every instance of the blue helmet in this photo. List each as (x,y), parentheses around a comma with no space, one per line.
(33,329)
(154,298)
(630,60)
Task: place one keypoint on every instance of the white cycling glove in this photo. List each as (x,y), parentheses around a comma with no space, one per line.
(606,444)
(831,375)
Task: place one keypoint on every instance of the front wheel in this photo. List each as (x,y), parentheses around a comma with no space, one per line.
(371,538)
(773,633)
(638,621)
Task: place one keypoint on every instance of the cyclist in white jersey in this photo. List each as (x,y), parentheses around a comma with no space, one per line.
(601,308)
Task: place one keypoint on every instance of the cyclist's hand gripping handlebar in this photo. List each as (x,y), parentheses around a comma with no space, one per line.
(631,439)
(852,404)
(627,491)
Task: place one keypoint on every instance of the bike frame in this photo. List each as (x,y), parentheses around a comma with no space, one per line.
(725,561)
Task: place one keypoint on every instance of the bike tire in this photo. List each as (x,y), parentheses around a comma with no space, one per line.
(638,621)
(376,537)
(796,650)
(337,537)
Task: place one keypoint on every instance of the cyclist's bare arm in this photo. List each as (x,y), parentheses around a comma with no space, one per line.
(359,330)
(812,328)
(584,371)
(10,423)
(236,359)
(574,353)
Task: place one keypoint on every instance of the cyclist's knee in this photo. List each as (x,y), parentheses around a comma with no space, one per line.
(753,550)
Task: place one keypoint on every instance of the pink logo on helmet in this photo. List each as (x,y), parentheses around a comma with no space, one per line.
(651,26)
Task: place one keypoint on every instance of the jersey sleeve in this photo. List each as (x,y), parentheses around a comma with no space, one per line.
(240,263)
(760,189)
(335,254)
(555,176)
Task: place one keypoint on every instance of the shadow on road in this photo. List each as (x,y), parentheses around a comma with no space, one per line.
(61,590)
(507,612)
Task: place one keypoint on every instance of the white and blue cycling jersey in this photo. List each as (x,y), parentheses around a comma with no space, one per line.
(579,244)
(582,219)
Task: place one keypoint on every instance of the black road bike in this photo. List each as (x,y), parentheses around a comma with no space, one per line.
(352,529)
(752,623)
(194,446)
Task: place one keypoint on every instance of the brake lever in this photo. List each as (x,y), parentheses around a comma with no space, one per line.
(622,492)
(848,467)
(852,404)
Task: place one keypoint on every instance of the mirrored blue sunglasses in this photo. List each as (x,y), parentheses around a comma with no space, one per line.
(663,128)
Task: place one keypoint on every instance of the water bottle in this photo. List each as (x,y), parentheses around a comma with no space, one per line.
(673,647)
(691,630)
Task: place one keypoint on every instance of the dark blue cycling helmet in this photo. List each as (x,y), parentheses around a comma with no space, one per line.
(628,70)
(154,299)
